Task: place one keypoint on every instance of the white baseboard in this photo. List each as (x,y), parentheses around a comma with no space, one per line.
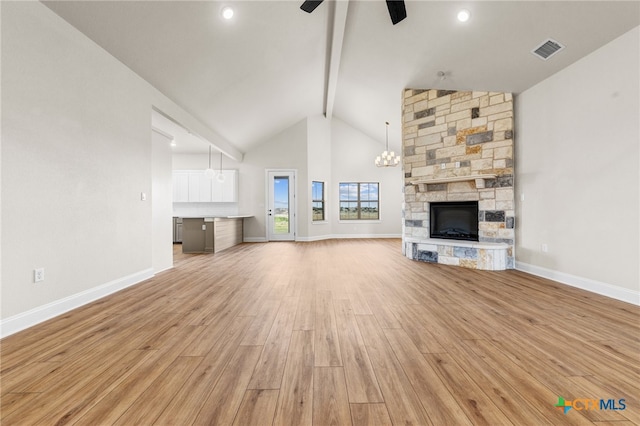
(344,236)
(11,325)
(604,289)
(314,238)
(325,237)
(254,240)
(163,269)
(338,236)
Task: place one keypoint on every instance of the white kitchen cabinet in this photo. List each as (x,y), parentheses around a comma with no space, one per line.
(227,191)
(180,186)
(194,187)
(199,187)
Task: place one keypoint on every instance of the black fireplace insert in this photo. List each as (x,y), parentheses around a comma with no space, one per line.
(454,220)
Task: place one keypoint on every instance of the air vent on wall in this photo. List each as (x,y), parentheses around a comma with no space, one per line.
(547,49)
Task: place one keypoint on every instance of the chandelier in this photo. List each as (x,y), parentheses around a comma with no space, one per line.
(387,159)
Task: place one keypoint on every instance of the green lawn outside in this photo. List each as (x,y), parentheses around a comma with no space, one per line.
(281,225)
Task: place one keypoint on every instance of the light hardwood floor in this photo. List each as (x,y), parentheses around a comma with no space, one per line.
(327,333)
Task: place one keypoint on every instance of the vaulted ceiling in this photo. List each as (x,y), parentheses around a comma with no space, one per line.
(274,64)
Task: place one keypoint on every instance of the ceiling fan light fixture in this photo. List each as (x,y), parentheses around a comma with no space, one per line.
(310,5)
(397,10)
(464,15)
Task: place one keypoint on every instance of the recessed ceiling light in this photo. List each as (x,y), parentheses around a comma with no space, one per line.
(227,12)
(464,15)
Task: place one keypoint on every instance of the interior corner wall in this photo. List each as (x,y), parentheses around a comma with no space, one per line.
(286,150)
(76,156)
(161,203)
(577,163)
(319,169)
(319,149)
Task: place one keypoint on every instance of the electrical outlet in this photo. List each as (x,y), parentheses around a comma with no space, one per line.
(443,166)
(457,164)
(38,275)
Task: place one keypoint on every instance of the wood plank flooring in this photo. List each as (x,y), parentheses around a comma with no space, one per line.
(341,332)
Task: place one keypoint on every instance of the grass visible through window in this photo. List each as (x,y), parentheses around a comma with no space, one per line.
(359,201)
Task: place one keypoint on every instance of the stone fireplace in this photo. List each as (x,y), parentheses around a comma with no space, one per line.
(458,147)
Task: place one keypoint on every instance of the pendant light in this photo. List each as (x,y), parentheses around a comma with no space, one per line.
(221,176)
(209,173)
(387,159)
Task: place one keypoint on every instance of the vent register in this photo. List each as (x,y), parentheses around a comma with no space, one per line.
(547,49)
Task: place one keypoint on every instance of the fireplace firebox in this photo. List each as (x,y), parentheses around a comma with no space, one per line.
(454,220)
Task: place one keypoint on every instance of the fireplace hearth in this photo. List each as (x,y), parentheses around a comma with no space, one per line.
(454,220)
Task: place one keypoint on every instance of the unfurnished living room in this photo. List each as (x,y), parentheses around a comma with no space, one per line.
(336,212)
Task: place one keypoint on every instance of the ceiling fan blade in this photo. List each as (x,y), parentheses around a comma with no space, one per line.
(397,11)
(310,5)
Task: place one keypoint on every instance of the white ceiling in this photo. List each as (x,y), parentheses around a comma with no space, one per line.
(252,77)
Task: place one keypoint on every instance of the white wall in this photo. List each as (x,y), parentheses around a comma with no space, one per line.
(352,160)
(161,203)
(286,150)
(319,169)
(577,162)
(76,156)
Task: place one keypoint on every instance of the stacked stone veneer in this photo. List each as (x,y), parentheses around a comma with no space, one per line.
(473,131)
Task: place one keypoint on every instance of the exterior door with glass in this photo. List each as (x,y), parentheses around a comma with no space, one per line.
(281,205)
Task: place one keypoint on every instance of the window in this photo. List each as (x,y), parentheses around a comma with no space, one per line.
(317,200)
(359,201)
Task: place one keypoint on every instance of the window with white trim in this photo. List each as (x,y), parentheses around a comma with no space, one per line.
(317,201)
(359,201)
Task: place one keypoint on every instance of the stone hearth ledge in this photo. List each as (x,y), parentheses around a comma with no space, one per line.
(470,254)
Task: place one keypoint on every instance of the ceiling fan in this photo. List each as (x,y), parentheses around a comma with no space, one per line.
(397,11)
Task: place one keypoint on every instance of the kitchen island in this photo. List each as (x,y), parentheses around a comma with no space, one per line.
(211,234)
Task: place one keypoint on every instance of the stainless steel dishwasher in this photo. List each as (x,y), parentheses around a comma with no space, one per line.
(177,230)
